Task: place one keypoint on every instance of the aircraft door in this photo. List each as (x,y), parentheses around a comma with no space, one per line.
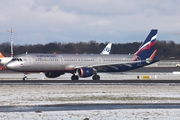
(100,60)
(61,60)
(29,59)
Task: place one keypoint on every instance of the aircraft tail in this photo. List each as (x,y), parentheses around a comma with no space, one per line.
(147,47)
(1,55)
(107,49)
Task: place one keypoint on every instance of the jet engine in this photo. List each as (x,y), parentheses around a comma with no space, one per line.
(53,74)
(85,72)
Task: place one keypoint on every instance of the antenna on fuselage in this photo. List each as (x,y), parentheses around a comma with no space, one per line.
(11,31)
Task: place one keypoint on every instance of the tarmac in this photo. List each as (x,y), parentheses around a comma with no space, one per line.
(145,73)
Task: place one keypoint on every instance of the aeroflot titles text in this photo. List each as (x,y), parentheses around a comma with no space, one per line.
(45,55)
(46,58)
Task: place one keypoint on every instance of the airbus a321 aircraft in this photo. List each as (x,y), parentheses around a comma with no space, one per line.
(85,65)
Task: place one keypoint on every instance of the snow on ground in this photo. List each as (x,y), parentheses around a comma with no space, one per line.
(50,94)
(121,114)
(69,93)
(21,95)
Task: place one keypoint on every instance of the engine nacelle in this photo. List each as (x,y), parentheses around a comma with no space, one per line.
(85,72)
(53,74)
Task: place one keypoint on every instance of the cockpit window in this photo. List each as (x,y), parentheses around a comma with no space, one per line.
(16,59)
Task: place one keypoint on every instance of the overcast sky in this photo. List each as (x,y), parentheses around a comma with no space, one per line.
(116,21)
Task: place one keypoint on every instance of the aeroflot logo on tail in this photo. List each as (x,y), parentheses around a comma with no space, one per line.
(147,45)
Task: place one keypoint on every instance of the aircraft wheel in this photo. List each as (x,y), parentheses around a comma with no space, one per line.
(74,77)
(24,78)
(96,77)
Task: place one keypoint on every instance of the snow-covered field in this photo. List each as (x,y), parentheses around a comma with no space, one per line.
(16,95)
(121,114)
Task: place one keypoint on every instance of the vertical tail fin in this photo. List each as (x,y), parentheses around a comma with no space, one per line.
(1,55)
(107,49)
(147,47)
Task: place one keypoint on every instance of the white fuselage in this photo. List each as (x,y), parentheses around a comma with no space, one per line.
(58,62)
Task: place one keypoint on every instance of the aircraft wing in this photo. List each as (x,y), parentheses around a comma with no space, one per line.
(110,65)
(113,65)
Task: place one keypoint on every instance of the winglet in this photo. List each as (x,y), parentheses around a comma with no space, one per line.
(1,55)
(149,60)
(153,54)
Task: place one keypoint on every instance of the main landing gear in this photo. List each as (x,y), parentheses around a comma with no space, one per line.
(96,77)
(25,76)
(74,77)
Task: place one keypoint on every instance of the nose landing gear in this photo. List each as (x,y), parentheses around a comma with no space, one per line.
(25,76)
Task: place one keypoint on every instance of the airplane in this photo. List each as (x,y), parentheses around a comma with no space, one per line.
(4,60)
(107,49)
(85,65)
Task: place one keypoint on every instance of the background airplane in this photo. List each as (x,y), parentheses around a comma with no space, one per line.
(4,60)
(107,49)
(85,65)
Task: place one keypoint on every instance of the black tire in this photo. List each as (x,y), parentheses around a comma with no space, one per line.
(74,77)
(24,78)
(96,77)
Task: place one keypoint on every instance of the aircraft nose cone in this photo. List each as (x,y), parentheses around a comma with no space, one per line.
(10,66)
